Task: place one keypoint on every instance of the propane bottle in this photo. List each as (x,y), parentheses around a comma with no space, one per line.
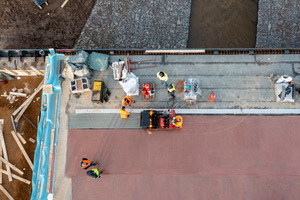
(212,97)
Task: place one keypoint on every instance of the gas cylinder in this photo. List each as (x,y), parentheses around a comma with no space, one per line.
(146,93)
(146,86)
(212,97)
(162,122)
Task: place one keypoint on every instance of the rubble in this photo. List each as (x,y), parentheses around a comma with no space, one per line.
(21,92)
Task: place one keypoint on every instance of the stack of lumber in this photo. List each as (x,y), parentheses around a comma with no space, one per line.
(26,103)
(9,166)
(18,113)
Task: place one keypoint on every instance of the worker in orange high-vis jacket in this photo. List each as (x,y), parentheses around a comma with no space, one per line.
(177,121)
(127,101)
(85,163)
(124,114)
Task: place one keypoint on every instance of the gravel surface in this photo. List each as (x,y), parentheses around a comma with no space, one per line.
(278,24)
(137,24)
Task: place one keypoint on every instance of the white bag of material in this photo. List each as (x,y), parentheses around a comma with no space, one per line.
(130,85)
(68,73)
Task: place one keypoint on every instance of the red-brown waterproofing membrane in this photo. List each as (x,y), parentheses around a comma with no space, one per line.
(211,157)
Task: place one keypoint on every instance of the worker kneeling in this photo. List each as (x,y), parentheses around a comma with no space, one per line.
(127,101)
(177,121)
(124,114)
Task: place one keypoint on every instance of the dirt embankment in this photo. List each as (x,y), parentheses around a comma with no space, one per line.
(25,26)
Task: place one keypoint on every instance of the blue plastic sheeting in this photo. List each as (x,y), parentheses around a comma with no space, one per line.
(39,2)
(46,124)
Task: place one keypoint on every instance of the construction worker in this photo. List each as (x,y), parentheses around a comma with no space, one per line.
(177,121)
(94,173)
(124,114)
(127,101)
(85,163)
(163,77)
(171,90)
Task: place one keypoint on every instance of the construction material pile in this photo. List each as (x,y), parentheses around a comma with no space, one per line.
(82,64)
(15,93)
(284,89)
(191,89)
(17,135)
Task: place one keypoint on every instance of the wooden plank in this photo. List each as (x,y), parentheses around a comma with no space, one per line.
(13,123)
(11,72)
(23,110)
(22,70)
(18,94)
(29,99)
(16,177)
(6,193)
(30,122)
(32,140)
(48,89)
(21,138)
(3,146)
(37,71)
(176,51)
(22,149)
(64,3)
(29,71)
(11,166)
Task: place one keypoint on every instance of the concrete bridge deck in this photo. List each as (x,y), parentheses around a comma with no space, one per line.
(239,81)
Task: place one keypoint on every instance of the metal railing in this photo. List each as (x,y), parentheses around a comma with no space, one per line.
(38,53)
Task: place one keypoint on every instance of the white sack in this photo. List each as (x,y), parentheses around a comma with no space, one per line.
(130,85)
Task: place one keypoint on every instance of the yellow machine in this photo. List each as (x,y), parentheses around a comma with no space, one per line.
(100,92)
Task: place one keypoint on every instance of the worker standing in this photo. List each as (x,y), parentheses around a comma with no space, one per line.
(127,101)
(94,173)
(124,114)
(171,90)
(163,77)
(85,163)
(177,121)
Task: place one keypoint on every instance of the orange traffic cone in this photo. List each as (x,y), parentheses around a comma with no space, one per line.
(212,97)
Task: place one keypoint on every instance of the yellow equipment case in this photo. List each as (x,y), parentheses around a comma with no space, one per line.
(100,92)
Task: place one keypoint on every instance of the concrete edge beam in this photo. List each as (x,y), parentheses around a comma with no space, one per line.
(203,111)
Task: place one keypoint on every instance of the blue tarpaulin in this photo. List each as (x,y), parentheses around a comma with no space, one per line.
(42,180)
(39,2)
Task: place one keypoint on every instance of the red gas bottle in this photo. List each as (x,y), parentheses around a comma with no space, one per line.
(146,89)
(212,97)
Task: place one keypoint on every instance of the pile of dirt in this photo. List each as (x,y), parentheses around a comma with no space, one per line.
(17,189)
(24,25)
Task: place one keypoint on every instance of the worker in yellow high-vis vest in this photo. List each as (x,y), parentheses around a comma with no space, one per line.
(163,77)
(171,90)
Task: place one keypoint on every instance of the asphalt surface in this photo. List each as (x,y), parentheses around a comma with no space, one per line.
(211,157)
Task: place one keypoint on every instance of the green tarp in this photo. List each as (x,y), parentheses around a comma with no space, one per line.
(98,61)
